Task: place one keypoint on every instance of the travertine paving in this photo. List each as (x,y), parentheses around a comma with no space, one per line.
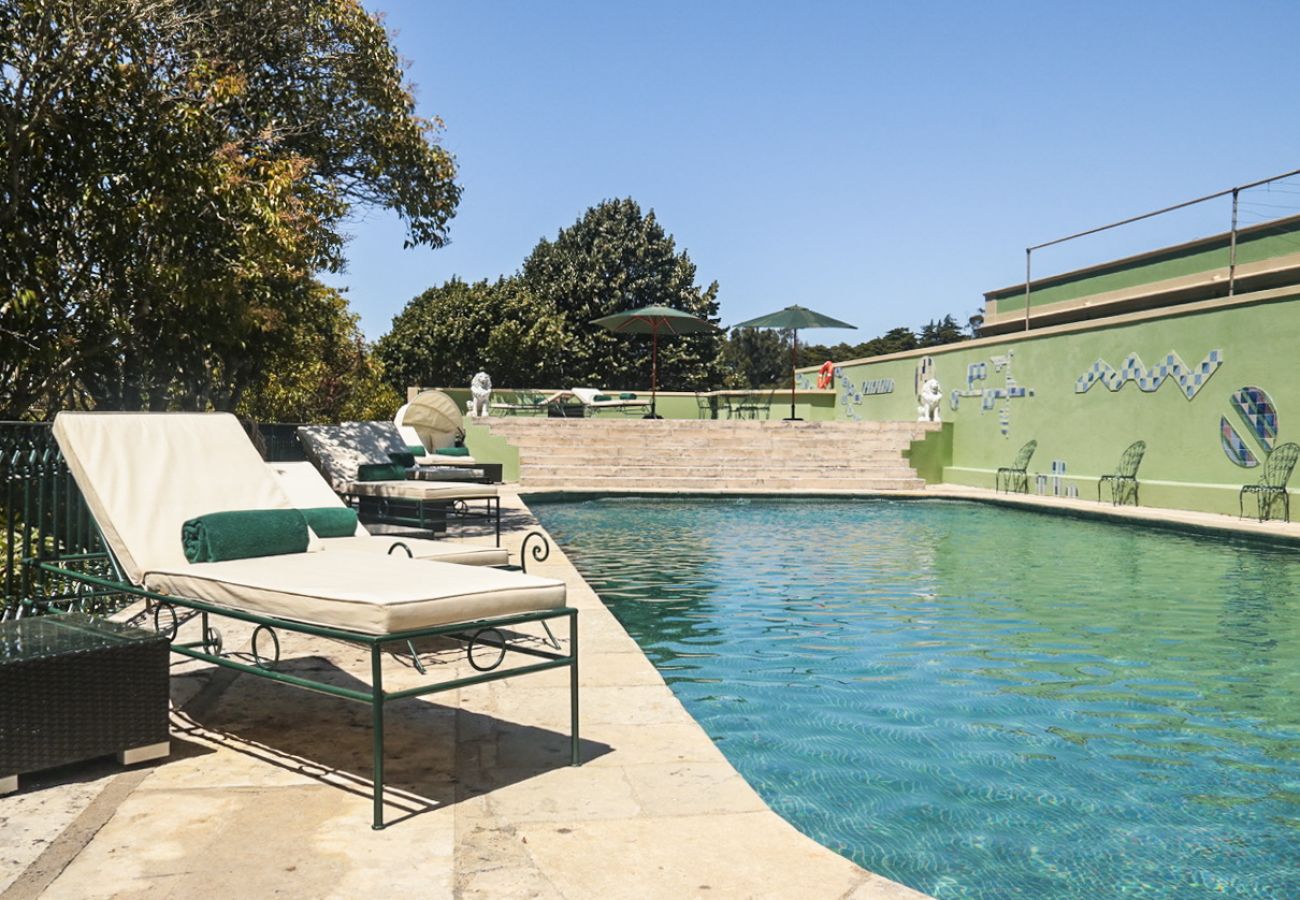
(267,792)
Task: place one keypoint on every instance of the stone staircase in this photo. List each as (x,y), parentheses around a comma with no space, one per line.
(645,455)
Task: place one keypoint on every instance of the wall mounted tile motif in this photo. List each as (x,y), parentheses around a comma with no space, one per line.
(1234,446)
(851,394)
(989,397)
(1256,409)
(1190,378)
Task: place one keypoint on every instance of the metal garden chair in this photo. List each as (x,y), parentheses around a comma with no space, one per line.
(1126,475)
(1015,474)
(704,408)
(1272,482)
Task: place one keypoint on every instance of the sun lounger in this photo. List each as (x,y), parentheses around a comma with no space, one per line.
(143,475)
(306,489)
(592,404)
(526,403)
(339,451)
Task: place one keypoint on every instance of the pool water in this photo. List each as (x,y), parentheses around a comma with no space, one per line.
(977,701)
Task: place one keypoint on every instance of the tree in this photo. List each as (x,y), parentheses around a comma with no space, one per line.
(448,333)
(756,357)
(944,331)
(326,373)
(613,259)
(173,172)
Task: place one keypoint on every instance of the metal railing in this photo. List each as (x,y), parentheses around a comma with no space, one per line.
(1234,192)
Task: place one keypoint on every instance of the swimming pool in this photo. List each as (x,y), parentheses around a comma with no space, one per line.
(979,701)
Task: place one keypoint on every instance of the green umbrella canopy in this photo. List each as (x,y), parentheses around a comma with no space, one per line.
(655,320)
(794,317)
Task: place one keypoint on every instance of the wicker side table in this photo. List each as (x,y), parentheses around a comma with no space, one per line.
(74,687)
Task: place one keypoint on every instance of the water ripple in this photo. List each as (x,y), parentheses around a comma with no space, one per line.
(979,702)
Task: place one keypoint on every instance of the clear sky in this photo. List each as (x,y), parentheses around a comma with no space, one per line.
(884,163)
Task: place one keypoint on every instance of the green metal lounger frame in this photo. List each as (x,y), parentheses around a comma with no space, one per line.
(424,514)
(73,569)
(477,633)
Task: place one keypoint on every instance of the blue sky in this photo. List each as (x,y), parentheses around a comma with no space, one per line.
(884,163)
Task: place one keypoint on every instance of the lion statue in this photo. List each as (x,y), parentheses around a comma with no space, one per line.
(480,389)
(930,396)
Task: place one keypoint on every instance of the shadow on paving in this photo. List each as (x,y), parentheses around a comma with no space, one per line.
(434,755)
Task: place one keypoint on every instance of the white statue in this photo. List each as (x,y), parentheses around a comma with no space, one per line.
(930,396)
(480,390)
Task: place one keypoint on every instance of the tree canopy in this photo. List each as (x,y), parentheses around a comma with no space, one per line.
(615,258)
(173,173)
(534,328)
(448,333)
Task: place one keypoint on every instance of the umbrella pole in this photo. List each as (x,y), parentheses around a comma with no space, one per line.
(654,374)
(794,357)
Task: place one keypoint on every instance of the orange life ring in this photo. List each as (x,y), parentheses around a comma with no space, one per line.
(825,374)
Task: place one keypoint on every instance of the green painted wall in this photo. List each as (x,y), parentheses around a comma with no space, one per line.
(811,405)
(1184,467)
(485,446)
(1277,239)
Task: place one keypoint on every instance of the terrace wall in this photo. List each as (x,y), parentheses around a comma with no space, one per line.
(1002,391)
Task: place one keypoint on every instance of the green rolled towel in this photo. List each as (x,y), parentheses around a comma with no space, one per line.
(389,471)
(331,521)
(601,398)
(244,533)
(452,451)
(402,458)
(627,395)
(416,449)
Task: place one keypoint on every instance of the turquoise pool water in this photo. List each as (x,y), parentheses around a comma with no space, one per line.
(979,702)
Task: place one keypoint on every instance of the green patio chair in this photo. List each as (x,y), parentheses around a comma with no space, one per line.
(1015,473)
(704,408)
(1125,476)
(1272,483)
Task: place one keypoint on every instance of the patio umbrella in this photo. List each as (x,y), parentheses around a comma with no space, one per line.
(434,416)
(794,318)
(655,320)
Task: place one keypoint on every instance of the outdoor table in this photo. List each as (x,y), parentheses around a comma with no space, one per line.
(74,687)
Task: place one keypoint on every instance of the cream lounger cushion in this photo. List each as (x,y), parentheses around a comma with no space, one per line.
(144,474)
(306,489)
(421,490)
(588,398)
(369,593)
(421,548)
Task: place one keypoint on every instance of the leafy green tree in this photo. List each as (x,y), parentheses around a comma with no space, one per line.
(943,331)
(448,333)
(173,172)
(326,373)
(756,357)
(616,258)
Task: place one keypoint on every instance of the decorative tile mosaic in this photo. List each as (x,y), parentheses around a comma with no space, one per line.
(851,394)
(1190,379)
(924,371)
(989,397)
(1258,412)
(1234,446)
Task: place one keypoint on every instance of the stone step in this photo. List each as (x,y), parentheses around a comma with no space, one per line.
(823,450)
(723,484)
(709,469)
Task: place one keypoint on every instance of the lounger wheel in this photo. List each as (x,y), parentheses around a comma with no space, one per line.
(212,641)
(261,661)
(476,639)
(174,619)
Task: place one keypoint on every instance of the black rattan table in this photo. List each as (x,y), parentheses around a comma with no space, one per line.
(74,687)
